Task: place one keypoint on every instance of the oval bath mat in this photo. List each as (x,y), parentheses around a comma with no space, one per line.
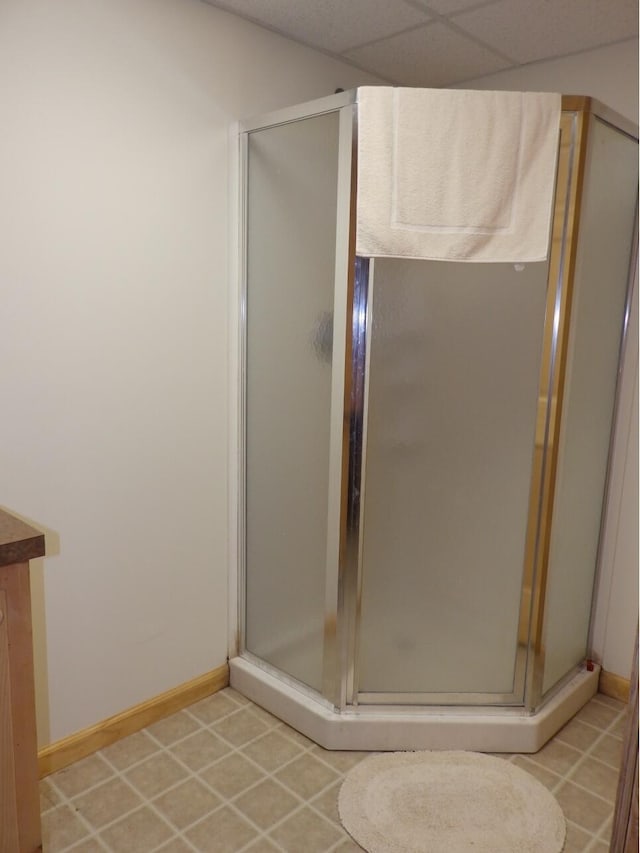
(448,802)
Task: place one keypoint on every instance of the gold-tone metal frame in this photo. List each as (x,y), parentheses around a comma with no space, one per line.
(566,228)
(529,659)
(574,124)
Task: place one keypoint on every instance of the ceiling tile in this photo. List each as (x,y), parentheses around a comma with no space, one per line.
(333,25)
(528,30)
(450,7)
(432,56)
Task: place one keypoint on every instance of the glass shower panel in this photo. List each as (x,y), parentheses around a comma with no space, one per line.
(452,400)
(602,271)
(291,236)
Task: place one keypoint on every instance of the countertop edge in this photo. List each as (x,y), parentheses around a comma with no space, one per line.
(19,542)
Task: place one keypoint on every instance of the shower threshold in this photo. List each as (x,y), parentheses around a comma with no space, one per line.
(377,728)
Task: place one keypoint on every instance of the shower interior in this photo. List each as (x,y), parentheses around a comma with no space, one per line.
(423,450)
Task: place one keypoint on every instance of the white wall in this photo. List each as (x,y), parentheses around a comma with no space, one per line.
(609,74)
(114,341)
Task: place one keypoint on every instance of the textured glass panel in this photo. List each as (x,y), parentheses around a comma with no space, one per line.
(453,388)
(604,246)
(292,187)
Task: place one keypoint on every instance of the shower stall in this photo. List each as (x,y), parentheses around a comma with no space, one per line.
(424,449)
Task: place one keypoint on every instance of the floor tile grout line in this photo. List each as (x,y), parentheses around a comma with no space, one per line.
(615,767)
(267,832)
(60,791)
(191,773)
(240,751)
(601,731)
(67,802)
(261,832)
(332,767)
(267,774)
(589,753)
(139,806)
(179,837)
(146,801)
(271,774)
(598,833)
(591,845)
(246,819)
(195,773)
(262,837)
(583,788)
(561,776)
(557,781)
(219,719)
(620,717)
(308,802)
(597,697)
(168,748)
(249,706)
(588,832)
(77,844)
(310,748)
(302,801)
(570,773)
(225,801)
(567,776)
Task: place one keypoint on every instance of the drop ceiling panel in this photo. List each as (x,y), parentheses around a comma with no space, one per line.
(527,30)
(333,25)
(433,56)
(443,42)
(450,7)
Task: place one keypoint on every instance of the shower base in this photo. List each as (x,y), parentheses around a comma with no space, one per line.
(378,728)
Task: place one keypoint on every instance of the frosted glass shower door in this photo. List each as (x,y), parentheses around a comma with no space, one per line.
(602,275)
(455,357)
(292,179)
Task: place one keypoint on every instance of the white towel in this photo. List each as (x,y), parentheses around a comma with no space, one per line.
(456,175)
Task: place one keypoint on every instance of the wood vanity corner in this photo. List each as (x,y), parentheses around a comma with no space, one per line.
(20,830)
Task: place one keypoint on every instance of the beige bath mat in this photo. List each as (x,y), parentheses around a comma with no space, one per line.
(448,802)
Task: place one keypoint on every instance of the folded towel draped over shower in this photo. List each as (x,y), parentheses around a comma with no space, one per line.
(456,175)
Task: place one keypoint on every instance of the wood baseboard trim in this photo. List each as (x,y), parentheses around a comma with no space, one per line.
(64,752)
(614,686)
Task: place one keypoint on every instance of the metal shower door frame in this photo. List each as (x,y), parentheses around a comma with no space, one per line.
(335,644)
(526,657)
(343,580)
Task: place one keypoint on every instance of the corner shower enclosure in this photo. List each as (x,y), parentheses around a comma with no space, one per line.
(424,449)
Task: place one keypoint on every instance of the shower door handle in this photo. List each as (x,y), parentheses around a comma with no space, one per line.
(322,337)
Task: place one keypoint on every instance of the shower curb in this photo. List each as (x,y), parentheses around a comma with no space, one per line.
(501,729)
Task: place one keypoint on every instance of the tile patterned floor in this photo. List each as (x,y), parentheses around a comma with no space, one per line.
(223,776)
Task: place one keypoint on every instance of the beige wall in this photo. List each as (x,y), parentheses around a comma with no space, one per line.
(608,73)
(611,75)
(114,167)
